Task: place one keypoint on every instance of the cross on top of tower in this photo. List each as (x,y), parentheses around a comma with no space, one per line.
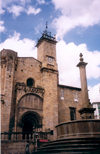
(46,32)
(46,28)
(46,25)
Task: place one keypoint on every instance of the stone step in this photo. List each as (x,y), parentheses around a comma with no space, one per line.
(70,145)
(72,142)
(70,150)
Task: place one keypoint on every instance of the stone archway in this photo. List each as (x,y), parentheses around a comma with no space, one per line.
(29,112)
(30,121)
(31,118)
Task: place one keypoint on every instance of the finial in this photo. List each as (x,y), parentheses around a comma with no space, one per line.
(46,25)
(81,57)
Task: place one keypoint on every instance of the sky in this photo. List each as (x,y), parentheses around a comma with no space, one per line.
(76,24)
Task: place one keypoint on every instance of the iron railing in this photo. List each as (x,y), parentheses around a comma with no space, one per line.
(19,136)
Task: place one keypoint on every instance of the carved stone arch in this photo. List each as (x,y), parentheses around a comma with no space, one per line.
(31,101)
(30,93)
(30,121)
(31,105)
(32,117)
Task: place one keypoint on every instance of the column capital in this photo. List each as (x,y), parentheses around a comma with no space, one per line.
(83,64)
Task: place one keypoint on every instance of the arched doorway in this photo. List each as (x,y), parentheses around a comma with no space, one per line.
(26,117)
(30,122)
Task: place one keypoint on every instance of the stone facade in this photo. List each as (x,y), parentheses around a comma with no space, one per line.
(69,97)
(31,94)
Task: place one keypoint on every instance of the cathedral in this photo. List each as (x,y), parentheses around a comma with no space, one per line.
(32,100)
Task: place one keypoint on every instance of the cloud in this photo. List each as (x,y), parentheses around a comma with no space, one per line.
(1,10)
(94,93)
(32,10)
(67,59)
(16,7)
(41,1)
(2,28)
(75,13)
(15,10)
(24,47)
(7,3)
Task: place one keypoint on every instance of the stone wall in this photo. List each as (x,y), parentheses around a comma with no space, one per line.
(45,87)
(68,97)
(8,67)
(10,147)
(50,104)
(28,67)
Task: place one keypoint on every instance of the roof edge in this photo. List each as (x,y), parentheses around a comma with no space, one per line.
(69,87)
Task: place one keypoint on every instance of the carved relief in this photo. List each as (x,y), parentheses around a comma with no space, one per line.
(29,103)
(26,89)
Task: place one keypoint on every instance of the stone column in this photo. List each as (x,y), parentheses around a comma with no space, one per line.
(86,112)
(83,79)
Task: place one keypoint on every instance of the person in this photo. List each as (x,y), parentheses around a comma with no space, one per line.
(31,147)
(27,149)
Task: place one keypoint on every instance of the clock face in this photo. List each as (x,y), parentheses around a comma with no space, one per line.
(50,60)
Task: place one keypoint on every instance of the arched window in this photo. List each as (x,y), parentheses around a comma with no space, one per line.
(30,82)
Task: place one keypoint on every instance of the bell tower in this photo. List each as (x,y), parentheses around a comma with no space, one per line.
(46,48)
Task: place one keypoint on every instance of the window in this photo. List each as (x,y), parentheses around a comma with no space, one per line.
(99,109)
(72,113)
(62,94)
(30,82)
(75,95)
